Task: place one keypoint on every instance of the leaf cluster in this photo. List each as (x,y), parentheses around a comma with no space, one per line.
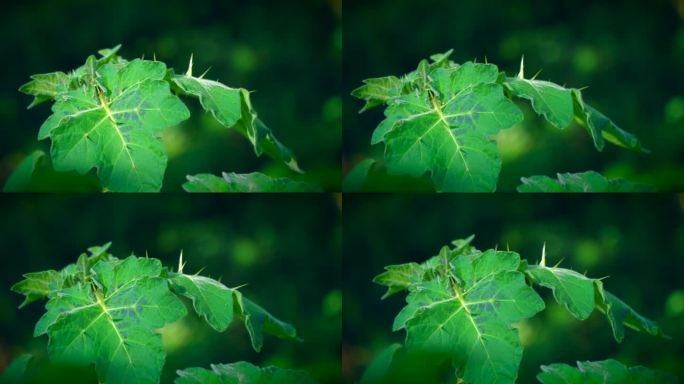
(462,305)
(110,115)
(107,311)
(443,117)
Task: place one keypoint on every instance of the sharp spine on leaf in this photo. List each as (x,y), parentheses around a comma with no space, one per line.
(189,71)
(181,264)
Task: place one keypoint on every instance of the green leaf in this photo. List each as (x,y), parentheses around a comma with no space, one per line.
(467,312)
(205,182)
(258,320)
(589,181)
(211,299)
(46,86)
(115,126)
(111,322)
(446,129)
(442,119)
(602,128)
(377,370)
(398,277)
(15,372)
(602,372)
(377,91)
(249,182)
(621,315)
(355,179)
(220,100)
(548,99)
(241,373)
(20,179)
(233,109)
(38,285)
(571,289)
(580,295)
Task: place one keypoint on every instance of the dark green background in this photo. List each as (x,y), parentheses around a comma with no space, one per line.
(286,249)
(288,52)
(630,54)
(638,241)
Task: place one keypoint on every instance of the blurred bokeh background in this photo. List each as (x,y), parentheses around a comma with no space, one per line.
(636,241)
(289,53)
(285,249)
(629,54)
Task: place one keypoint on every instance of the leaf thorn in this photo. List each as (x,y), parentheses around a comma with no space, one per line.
(537,74)
(205,72)
(181,264)
(521,73)
(189,71)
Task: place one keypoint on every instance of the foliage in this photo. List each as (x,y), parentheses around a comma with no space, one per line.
(241,373)
(251,182)
(106,311)
(110,114)
(579,182)
(462,303)
(607,371)
(16,370)
(442,119)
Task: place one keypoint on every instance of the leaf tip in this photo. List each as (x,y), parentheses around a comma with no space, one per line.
(543,259)
(521,73)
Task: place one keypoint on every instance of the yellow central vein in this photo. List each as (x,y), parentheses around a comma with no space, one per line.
(446,126)
(105,106)
(105,311)
(464,305)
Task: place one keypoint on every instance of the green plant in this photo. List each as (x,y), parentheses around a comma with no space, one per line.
(251,182)
(442,118)
(579,182)
(110,113)
(106,311)
(461,307)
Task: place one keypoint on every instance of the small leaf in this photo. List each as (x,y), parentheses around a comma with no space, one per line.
(38,285)
(233,109)
(589,181)
(397,277)
(377,91)
(241,373)
(355,179)
(220,100)
(602,128)
(211,299)
(20,179)
(548,99)
(109,54)
(258,320)
(15,372)
(377,370)
(607,372)
(249,182)
(46,87)
(620,314)
(205,182)
(571,289)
